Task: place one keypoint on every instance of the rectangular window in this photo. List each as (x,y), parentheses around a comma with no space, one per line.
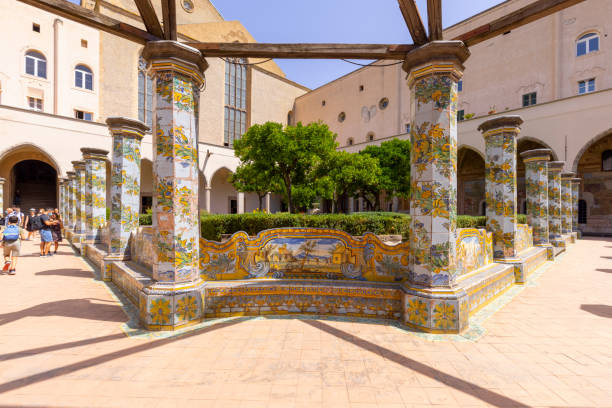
(586,86)
(36,27)
(83,43)
(407,127)
(78,79)
(461,114)
(83,115)
(460,86)
(235,112)
(529,99)
(594,44)
(35,103)
(30,66)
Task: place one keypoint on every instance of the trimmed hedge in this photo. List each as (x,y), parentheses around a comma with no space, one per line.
(381,223)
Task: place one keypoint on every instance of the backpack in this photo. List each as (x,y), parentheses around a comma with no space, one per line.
(11,233)
(36,223)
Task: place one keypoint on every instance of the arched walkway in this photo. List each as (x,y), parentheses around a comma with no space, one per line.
(223,197)
(470,180)
(31,177)
(596,185)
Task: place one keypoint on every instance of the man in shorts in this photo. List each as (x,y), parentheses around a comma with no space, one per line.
(46,238)
(11,241)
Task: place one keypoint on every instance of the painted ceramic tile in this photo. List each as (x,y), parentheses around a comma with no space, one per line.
(554,202)
(566,205)
(474,249)
(536,180)
(95,197)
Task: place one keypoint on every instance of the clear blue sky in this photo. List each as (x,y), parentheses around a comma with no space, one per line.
(342,21)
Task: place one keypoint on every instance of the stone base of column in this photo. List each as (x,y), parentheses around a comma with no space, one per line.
(550,251)
(562,242)
(526,262)
(76,239)
(433,310)
(170,307)
(106,265)
(574,236)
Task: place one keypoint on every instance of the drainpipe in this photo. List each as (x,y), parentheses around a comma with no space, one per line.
(56,33)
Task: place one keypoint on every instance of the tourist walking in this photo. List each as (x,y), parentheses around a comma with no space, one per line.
(46,238)
(56,230)
(29,224)
(11,241)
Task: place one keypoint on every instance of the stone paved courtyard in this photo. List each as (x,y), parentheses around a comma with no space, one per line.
(62,345)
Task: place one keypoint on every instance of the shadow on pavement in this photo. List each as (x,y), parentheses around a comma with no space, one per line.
(598,310)
(485,395)
(604,270)
(75,273)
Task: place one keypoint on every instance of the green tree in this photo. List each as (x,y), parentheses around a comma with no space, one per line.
(394,161)
(293,156)
(248,178)
(351,173)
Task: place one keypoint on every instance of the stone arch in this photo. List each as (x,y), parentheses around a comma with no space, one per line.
(223,195)
(470,180)
(22,153)
(599,137)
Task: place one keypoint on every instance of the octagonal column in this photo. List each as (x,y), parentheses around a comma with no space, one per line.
(434,71)
(71,204)
(575,197)
(95,192)
(2,181)
(566,202)
(125,183)
(175,298)
(500,174)
(536,180)
(554,199)
(80,207)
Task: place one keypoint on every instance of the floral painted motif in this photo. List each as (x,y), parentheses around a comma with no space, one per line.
(80,225)
(433,204)
(95,196)
(474,250)
(575,198)
(554,200)
(160,311)
(187,308)
(175,184)
(125,189)
(500,178)
(536,180)
(445,316)
(566,203)
(417,312)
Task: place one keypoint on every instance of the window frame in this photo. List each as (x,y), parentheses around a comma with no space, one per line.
(38,60)
(36,108)
(532,99)
(586,86)
(84,114)
(585,40)
(236,100)
(461,115)
(145,104)
(604,159)
(84,74)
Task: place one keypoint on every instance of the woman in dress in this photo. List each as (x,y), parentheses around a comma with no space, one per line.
(56,230)
(28,224)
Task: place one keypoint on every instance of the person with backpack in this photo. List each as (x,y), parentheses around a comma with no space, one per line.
(11,241)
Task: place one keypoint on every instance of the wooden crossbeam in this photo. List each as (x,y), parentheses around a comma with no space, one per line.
(304,51)
(93,19)
(413,21)
(434,19)
(534,11)
(169,16)
(149,18)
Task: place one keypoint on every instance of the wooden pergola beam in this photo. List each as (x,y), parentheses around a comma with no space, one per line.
(169,16)
(304,51)
(534,11)
(434,19)
(413,21)
(92,19)
(149,18)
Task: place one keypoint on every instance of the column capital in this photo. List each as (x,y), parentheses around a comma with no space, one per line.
(510,123)
(555,166)
(568,176)
(91,153)
(208,188)
(577,180)
(436,56)
(122,125)
(536,155)
(174,56)
(71,174)
(78,164)
(2,180)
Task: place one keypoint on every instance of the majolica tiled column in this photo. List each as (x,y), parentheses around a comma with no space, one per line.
(536,180)
(175,299)
(500,176)
(566,202)
(575,197)
(554,200)
(125,186)
(2,181)
(95,192)
(69,224)
(431,303)
(80,208)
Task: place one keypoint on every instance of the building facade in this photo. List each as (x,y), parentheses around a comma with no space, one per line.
(556,73)
(60,80)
